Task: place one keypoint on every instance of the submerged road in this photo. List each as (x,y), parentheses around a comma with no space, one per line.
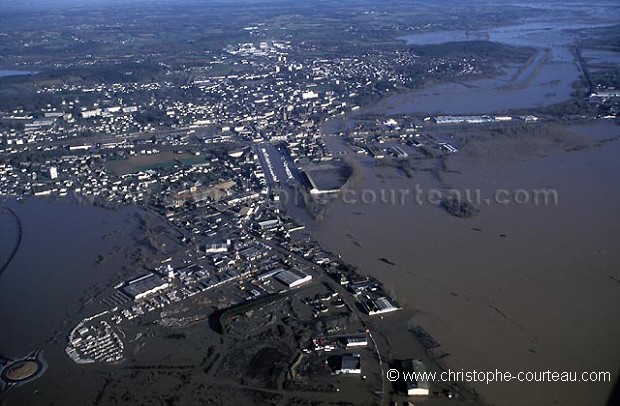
(17,244)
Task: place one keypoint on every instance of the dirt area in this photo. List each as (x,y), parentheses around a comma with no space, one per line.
(153,161)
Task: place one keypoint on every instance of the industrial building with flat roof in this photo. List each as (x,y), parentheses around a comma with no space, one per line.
(379,306)
(357,341)
(462,119)
(144,286)
(350,364)
(415,369)
(293,278)
(268,274)
(323,181)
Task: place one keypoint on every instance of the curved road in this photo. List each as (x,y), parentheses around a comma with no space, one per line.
(17,244)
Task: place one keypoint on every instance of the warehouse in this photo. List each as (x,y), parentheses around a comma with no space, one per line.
(293,278)
(357,341)
(144,286)
(268,274)
(415,373)
(350,364)
(379,306)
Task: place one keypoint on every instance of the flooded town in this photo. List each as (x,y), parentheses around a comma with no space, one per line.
(303,205)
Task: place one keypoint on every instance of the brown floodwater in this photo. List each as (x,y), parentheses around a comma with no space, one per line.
(42,291)
(520,287)
(548,79)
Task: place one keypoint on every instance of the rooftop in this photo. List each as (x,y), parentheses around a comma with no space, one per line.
(144,284)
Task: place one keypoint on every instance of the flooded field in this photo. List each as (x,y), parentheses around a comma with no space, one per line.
(10,72)
(548,78)
(521,287)
(598,59)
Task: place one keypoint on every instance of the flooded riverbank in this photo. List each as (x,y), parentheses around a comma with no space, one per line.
(551,77)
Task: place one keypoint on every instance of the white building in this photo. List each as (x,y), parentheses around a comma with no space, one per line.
(145,286)
(91,113)
(269,224)
(130,109)
(380,306)
(293,278)
(415,369)
(309,95)
(357,341)
(217,248)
